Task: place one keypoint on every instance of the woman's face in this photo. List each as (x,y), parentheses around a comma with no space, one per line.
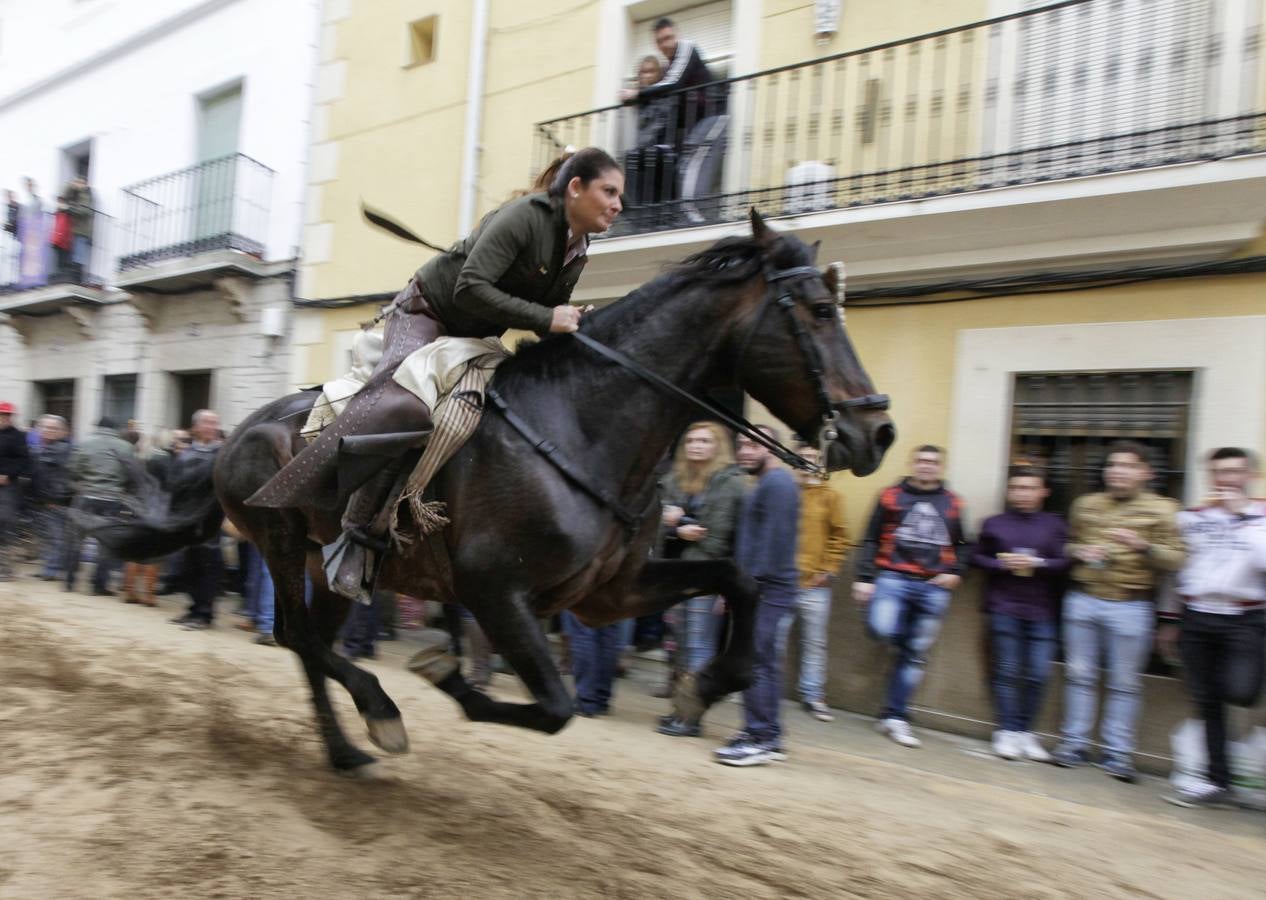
(648,73)
(593,207)
(701,445)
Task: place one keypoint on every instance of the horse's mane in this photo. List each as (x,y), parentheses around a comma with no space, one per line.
(729,261)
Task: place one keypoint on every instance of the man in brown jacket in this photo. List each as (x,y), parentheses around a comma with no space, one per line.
(1121,541)
(821,543)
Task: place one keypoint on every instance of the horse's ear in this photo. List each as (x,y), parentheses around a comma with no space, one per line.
(831,278)
(813,252)
(760,230)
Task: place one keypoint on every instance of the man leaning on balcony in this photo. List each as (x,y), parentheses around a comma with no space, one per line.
(79,204)
(1121,541)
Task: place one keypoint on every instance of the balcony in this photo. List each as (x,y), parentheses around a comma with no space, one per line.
(183,229)
(1154,107)
(35,279)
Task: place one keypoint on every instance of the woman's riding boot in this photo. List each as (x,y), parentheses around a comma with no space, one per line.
(353,560)
(479,650)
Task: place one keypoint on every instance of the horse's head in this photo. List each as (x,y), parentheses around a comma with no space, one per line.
(794,356)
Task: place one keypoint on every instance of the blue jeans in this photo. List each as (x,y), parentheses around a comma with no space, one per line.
(701,628)
(1120,630)
(594,654)
(265,601)
(761,701)
(54,536)
(813,607)
(252,565)
(905,612)
(1022,650)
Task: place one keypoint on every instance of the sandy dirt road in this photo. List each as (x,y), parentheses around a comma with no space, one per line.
(141,761)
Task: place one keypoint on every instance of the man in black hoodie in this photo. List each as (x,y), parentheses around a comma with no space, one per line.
(14,464)
(912,560)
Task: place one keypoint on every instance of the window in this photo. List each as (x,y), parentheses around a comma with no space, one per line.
(421,42)
(1064,421)
(120,398)
(57,398)
(708,25)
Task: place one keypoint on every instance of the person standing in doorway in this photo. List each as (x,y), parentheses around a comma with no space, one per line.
(912,560)
(79,204)
(1022,554)
(765,548)
(1121,540)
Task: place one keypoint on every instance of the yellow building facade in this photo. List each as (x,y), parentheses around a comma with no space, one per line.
(1051,216)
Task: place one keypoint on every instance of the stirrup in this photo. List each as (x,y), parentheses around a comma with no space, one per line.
(351,568)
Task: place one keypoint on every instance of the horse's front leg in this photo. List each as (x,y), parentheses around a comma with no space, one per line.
(664,582)
(511,627)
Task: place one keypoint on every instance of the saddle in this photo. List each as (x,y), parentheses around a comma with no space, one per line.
(351,450)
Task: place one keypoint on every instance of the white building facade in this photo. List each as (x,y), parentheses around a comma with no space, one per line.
(189,120)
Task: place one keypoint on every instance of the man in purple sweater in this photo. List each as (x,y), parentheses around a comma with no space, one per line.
(1022,553)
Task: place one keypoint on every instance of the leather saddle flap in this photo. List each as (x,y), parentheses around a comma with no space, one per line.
(390,445)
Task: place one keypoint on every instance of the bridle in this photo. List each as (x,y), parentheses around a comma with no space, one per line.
(779,294)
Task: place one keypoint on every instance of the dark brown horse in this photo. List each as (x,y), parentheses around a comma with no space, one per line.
(525,541)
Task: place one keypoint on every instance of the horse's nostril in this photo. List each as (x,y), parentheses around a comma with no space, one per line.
(885,436)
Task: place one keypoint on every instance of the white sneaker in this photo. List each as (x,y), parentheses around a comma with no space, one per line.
(1031,747)
(1006,744)
(899,731)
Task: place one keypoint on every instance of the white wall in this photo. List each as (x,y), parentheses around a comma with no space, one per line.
(137,101)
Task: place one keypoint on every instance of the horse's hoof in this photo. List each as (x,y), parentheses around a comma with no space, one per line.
(353,763)
(435,660)
(687,704)
(367,772)
(388,735)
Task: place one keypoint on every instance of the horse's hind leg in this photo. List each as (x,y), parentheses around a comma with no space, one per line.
(512,628)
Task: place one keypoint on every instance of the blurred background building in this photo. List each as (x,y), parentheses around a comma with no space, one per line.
(188,119)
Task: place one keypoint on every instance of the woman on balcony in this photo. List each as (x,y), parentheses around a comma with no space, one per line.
(491,282)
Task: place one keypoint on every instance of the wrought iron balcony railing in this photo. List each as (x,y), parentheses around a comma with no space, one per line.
(28,260)
(222,204)
(1074,88)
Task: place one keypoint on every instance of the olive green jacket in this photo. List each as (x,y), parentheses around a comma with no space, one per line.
(508,273)
(79,205)
(1127,573)
(721,504)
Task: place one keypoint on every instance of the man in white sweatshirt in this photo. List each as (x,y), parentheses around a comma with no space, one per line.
(1222,624)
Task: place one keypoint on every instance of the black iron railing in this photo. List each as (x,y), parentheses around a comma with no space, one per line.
(1077,88)
(221,204)
(28,259)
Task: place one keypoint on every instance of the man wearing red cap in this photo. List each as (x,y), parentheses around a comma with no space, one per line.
(13,465)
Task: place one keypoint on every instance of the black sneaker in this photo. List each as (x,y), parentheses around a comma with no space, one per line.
(196,625)
(182,620)
(265,640)
(1070,757)
(1120,768)
(675,727)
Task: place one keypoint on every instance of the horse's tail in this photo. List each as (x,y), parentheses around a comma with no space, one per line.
(193,517)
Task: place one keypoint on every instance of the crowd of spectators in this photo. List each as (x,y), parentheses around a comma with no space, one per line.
(1092,587)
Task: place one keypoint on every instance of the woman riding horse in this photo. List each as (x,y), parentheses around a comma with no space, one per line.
(517,269)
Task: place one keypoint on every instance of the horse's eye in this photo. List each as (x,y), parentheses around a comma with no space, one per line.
(824,310)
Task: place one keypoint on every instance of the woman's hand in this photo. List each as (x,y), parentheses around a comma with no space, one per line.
(564,319)
(627,94)
(692,532)
(672,515)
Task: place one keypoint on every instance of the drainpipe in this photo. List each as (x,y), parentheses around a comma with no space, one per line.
(474,117)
